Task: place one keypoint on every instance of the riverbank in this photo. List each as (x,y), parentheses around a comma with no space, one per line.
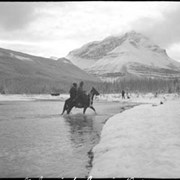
(121,106)
(141,142)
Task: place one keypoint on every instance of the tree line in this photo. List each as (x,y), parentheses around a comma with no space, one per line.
(139,86)
(39,86)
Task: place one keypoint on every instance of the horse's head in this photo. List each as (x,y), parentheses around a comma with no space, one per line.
(94,91)
(91,95)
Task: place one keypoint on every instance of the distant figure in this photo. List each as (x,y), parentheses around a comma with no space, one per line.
(156,94)
(123,94)
(73,95)
(127,94)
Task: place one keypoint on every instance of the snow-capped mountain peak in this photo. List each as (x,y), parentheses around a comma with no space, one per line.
(132,51)
(98,49)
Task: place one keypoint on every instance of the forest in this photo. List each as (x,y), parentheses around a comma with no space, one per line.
(39,86)
(145,85)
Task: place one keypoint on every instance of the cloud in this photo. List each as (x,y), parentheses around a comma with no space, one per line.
(16,15)
(63,26)
(163,30)
(173,51)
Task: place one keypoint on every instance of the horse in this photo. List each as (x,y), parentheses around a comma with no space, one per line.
(87,102)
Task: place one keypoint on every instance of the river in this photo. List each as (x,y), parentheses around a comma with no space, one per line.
(35,140)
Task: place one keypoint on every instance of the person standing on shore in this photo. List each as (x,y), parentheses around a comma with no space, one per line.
(127,93)
(123,94)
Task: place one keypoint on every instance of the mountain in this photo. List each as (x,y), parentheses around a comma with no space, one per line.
(131,55)
(54,58)
(24,73)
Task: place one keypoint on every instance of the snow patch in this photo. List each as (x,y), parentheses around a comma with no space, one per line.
(22,58)
(32,97)
(141,142)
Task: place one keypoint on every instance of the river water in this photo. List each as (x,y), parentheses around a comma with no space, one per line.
(35,140)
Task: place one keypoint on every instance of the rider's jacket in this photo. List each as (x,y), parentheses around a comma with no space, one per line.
(80,92)
(73,92)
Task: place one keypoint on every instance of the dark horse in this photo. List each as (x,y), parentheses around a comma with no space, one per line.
(87,102)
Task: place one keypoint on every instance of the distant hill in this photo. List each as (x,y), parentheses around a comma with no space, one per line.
(131,55)
(24,73)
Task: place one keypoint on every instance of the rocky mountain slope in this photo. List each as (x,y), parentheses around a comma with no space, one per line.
(24,73)
(131,55)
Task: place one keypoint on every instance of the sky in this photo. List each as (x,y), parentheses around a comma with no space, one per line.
(53,29)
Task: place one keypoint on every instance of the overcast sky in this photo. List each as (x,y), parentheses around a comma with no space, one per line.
(55,28)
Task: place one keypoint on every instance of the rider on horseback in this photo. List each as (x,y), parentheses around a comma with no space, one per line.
(73,94)
(82,99)
(73,91)
(80,94)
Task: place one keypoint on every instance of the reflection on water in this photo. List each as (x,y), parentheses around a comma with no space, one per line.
(83,136)
(82,131)
(36,141)
(80,123)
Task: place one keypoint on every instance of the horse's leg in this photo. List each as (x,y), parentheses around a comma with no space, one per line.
(64,108)
(70,108)
(84,110)
(66,104)
(93,109)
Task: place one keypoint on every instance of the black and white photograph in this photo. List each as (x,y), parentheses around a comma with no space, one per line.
(89,89)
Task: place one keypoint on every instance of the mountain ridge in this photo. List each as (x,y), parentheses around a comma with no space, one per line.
(130,51)
(25,73)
